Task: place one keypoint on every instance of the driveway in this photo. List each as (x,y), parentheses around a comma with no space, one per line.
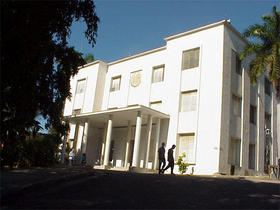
(99,189)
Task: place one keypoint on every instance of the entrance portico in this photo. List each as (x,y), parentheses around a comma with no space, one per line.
(130,121)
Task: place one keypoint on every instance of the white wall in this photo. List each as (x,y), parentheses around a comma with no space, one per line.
(125,96)
(207,79)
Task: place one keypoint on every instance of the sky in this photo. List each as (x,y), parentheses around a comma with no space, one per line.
(128,27)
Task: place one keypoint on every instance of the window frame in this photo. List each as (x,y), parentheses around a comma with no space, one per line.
(153,73)
(181,101)
(253,114)
(119,86)
(240,100)
(267,87)
(193,160)
(189,50)
(238,63)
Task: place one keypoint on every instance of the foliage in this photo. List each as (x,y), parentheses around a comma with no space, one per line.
(39,150)
(182,165)
(36,66)
(89,58)
(265,45)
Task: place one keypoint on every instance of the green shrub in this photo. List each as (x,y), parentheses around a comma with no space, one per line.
(182,165)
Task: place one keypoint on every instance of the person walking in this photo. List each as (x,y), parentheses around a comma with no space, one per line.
(170,159)
(71,157)
(161,158)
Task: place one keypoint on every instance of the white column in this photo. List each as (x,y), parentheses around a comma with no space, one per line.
(149,134)
(128,138)
(108,141)
(103,143)
(157,143)
(85,137)
(135,159)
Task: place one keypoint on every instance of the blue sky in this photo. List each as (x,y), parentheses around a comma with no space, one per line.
(128,27)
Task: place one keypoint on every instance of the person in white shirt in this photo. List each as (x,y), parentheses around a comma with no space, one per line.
(71,157)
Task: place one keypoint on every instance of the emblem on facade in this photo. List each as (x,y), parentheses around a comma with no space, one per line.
(135,79)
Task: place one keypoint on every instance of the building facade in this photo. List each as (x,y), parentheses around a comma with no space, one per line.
(193,92)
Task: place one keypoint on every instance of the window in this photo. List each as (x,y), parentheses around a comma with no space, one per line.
(252,156)
(79,95)
(158,74)
(236,105)
(267,118)
(253,114)
(115,83)
(234,152)
(190,59)
(81,86)
(156,105)
(186,145)
(237,61)
(188,101)
(267,87)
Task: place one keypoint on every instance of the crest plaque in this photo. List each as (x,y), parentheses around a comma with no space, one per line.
(135,79)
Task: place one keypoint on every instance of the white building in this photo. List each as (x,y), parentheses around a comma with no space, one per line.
(193,92)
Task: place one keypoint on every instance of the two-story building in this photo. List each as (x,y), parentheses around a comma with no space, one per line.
(193,92)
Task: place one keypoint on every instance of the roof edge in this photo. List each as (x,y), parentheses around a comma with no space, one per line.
(91,63)
(195,30)
(137,55)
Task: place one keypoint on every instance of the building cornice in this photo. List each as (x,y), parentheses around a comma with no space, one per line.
(137,55)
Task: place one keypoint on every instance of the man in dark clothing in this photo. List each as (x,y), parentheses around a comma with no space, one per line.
(170,159)
(161,157)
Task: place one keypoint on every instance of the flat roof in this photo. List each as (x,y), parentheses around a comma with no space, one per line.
(121,116)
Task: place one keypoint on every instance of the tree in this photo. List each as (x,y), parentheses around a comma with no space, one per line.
(37,64)
(89,58)
(265,45)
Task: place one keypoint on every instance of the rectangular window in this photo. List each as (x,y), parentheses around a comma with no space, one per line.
(79,95)
(156,105)
(237,61)
(158,74)
(190,59)
(188,101)
(81,86)
(252,156)
(115,84)
(253,114)
(267,87)
(234,152)
(186,145)
(267,121)
(236,105)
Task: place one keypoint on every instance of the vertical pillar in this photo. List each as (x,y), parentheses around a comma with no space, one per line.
(108,141)
(103,144)
(85,136)
(245,122)
(63,148)
(135,159)
(149,134)
(157,143)
(260,127)
(128,137)
(274,128)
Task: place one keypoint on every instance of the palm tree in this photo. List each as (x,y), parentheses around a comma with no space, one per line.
(264,43)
